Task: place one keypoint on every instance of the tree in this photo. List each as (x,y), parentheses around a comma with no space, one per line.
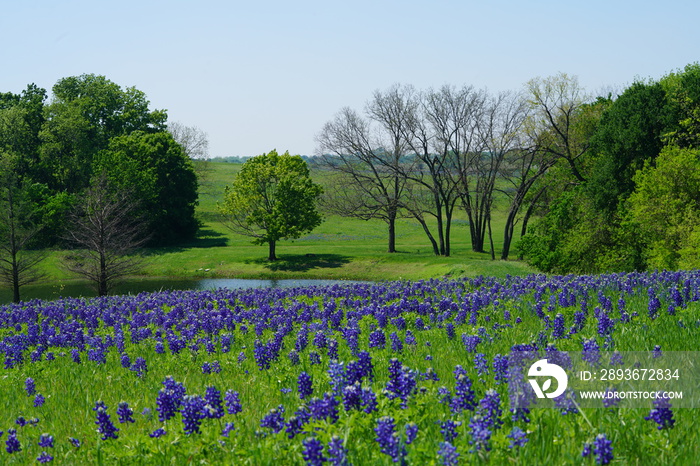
(664,208)
(107,232)
(365,154)
(155,169)
(18,227)
(272,198)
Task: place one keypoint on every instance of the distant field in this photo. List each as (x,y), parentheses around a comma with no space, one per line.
(340,248)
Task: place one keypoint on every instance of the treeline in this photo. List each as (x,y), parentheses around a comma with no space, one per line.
(93,170)
(612,182)
(53,151)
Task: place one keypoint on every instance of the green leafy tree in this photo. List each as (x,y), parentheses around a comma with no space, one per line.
(161,176)
(272,198)
(664,209)
(86,113)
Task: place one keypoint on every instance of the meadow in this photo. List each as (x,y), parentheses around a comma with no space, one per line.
(405,372)
(341,248)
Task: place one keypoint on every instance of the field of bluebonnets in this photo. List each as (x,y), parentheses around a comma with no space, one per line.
(396,372)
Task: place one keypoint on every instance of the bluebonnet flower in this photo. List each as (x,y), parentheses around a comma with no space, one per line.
(192,413)
(500,368)
(212,397)
(274,420)
(369,400)
(39,400)
(518,438)
(402,382)
(160,348)
(125,361)
(74,441)
(332,349)
(450,329)
(396,344)
(104,423)
(30,386)
(411,432)
(464,395)
(579,322)
(125,413)
(490,409)
(241,357)
(227,429)
(46,441)
(12,444)
(654,304)
(602,448)
(304,384)
(324,408)
(410,338)
(157,433)
(293,357)
(470,342)
(388,439)
(320,340)
(352,397)
(233,402)
(314,358)
(206,368)
(616,359)
(448,454)
(313,452)
(44,457)
(480,432)
(591,351)
(337,453)
(566,402)
(448,429)
(481,364)
(139,367)
(621,305)
(377,339)
(610,400)
(605,323)
(558,330)
(657,351)
(75,355)
(661,413)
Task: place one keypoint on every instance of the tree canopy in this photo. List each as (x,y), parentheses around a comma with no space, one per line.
(272,198)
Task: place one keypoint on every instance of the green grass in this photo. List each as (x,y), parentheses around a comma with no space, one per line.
(341,248)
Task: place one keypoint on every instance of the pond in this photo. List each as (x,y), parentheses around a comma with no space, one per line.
(135,286)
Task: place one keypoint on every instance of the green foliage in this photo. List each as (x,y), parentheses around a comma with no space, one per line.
(665,208)
(161,177)
(273,198)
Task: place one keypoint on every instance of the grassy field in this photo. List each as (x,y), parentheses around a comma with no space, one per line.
(341,248)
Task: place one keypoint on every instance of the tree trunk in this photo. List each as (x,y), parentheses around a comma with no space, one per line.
(392,230)
(271,256)
(493,251)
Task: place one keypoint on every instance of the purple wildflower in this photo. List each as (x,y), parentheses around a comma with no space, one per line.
(192,413)
(157,433)
(480,432)
(448,454)
(30,386)
(39,400)
(337,453)
(227,429)
(388,439)
(46,441)
(657,351)
(74,441)
(448,429)
(602,448)
(104,423)
(12,444)
(213,408)
(304,384)
(313,452)
(233,402)
(274,419)
(411,432)
(518,438)
(125,413)
(661,413)
(44,457)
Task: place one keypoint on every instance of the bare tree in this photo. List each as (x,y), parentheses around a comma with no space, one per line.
(365,153)
(195,143)
(107,233)
(18,227)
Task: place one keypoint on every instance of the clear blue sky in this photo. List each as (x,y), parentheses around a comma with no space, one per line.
(268,74)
